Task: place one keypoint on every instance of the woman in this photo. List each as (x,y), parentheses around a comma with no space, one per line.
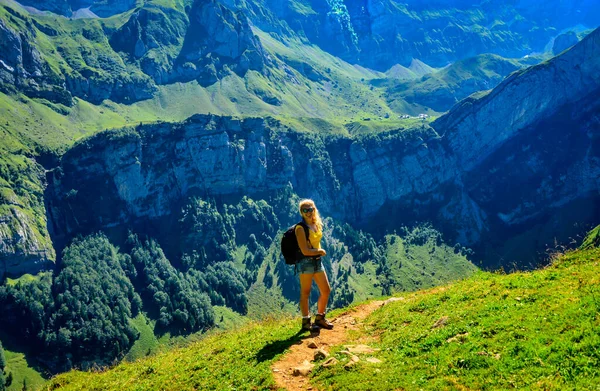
(310,266)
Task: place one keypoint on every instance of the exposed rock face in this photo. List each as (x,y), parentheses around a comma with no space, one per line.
(25,245)
(473,128)
(217,37)
(21,250)
(564,41)
(530,148)
(23,69)
(509,159)
(93,75)
(211,43)
(391,33)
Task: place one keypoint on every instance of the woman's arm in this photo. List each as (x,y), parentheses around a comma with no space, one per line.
(304,246)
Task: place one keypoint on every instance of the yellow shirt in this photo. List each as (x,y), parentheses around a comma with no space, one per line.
(315,238)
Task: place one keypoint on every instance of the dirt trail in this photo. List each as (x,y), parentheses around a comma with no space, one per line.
(298,353)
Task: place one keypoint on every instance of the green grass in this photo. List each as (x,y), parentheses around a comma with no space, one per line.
(25,278)
(21,372)
(365,285)
(441,88)
(235,360)
(20,364)
(537,330)
(592,239)
(147,343)
(423,265)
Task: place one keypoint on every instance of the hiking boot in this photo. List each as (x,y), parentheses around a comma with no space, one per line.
(307,325)
(322,322)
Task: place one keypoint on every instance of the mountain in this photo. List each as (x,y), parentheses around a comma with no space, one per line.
(442,89)
(382,33)
(462,173)
(158,153)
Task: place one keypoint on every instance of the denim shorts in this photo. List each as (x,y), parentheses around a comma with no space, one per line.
(309,266)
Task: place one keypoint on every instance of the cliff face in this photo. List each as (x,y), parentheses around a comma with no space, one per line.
(374,33)
(207,42)
(441,32)
(22,67)
(474,128)
(148,173)
(79,65)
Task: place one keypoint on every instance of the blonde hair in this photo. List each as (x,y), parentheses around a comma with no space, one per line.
(309,202)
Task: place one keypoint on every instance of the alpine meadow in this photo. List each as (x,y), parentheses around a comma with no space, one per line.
(158,159)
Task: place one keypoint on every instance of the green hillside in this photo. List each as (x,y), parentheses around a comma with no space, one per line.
(441,89)
(537,330)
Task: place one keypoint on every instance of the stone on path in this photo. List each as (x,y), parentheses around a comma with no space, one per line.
(353,360)
(331,361)
(311,344)
(320,354)
(304,369)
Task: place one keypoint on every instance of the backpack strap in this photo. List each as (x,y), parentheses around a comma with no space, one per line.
(305,226)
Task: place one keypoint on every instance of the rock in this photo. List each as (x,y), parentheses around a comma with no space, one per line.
(353,361)
(320,354)
(331,361)
(440,322)
(311,344)
(304,369)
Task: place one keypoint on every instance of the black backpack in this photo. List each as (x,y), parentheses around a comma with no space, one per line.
(289,244)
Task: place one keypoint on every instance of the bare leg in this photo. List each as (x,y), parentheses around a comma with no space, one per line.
(324,290)
(305,284)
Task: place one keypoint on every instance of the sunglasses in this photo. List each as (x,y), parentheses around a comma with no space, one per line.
(307,210)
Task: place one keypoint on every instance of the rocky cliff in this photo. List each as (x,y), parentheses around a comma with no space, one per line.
(47,59)
(204,44)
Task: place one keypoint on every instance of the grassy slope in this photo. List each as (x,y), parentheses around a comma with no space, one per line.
(536,330)
(18,365)
(424,265)
(440,88)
